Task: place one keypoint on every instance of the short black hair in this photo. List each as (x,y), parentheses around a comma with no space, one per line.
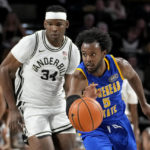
(94,35)
(56,8)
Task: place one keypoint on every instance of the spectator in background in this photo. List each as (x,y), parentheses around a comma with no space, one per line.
(140,10)
(103,27)
(4,10)
(116,38)
(131,41)
(146,139)
(5,4)
(145,11)
(116,9)
(88,21)
(100,12)
(142,29)
(6,50)
(12,30)
(133,60)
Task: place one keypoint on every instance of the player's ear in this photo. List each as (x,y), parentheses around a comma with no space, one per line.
(104,53)
(45,24)
(67,24)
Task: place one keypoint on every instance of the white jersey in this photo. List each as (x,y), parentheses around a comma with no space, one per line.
(41,78)
(128,95)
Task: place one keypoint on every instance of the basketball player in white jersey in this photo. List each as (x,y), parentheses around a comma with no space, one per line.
(43,63)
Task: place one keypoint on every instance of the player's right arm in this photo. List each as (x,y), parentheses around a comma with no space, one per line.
(19,54)
(130,74)
(77,84)
(79,88)
(7,73)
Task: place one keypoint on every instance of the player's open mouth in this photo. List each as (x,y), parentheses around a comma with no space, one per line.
(89,66)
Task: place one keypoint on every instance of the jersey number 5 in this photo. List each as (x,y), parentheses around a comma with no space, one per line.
(106,102)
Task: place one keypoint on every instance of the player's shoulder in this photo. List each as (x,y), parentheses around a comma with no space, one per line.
(79,74)
(29,38)
(125,67)
(121,61)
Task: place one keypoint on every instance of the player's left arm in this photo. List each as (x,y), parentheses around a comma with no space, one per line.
(130,74)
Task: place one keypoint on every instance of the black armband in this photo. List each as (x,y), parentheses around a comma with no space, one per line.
(70,100)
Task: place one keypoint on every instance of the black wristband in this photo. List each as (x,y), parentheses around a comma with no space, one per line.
(70,100)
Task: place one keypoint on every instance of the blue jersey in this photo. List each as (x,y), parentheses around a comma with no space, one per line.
(115,132)
(109,86)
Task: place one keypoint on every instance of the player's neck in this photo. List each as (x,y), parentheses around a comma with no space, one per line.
(101,70)
(55,42)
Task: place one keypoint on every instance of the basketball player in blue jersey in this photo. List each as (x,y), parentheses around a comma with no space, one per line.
(42,64)
(105,74)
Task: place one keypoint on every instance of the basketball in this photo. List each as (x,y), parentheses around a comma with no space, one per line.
(85,114)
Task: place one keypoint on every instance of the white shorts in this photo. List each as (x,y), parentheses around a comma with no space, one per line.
(45,121)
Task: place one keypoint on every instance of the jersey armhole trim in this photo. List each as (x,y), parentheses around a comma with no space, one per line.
(108,66)
(69,53)
(117,67)
(36,44)
(83,74)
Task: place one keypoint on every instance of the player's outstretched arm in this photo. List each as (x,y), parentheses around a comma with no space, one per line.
(130,74)
(7,74)
(78,83)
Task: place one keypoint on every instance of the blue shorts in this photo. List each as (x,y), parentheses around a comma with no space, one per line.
(117,135)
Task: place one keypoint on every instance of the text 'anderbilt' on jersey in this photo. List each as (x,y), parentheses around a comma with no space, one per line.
(42,76)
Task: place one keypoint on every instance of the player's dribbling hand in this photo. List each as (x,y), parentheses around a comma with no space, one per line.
(16,120)
(91,91)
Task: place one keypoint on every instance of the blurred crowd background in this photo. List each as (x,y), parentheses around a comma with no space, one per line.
(127,22)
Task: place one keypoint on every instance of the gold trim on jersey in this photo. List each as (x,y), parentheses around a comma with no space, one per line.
(117,67)
(82,73)
(108,66)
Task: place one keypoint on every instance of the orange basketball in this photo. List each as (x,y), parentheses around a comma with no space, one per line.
(85,114)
